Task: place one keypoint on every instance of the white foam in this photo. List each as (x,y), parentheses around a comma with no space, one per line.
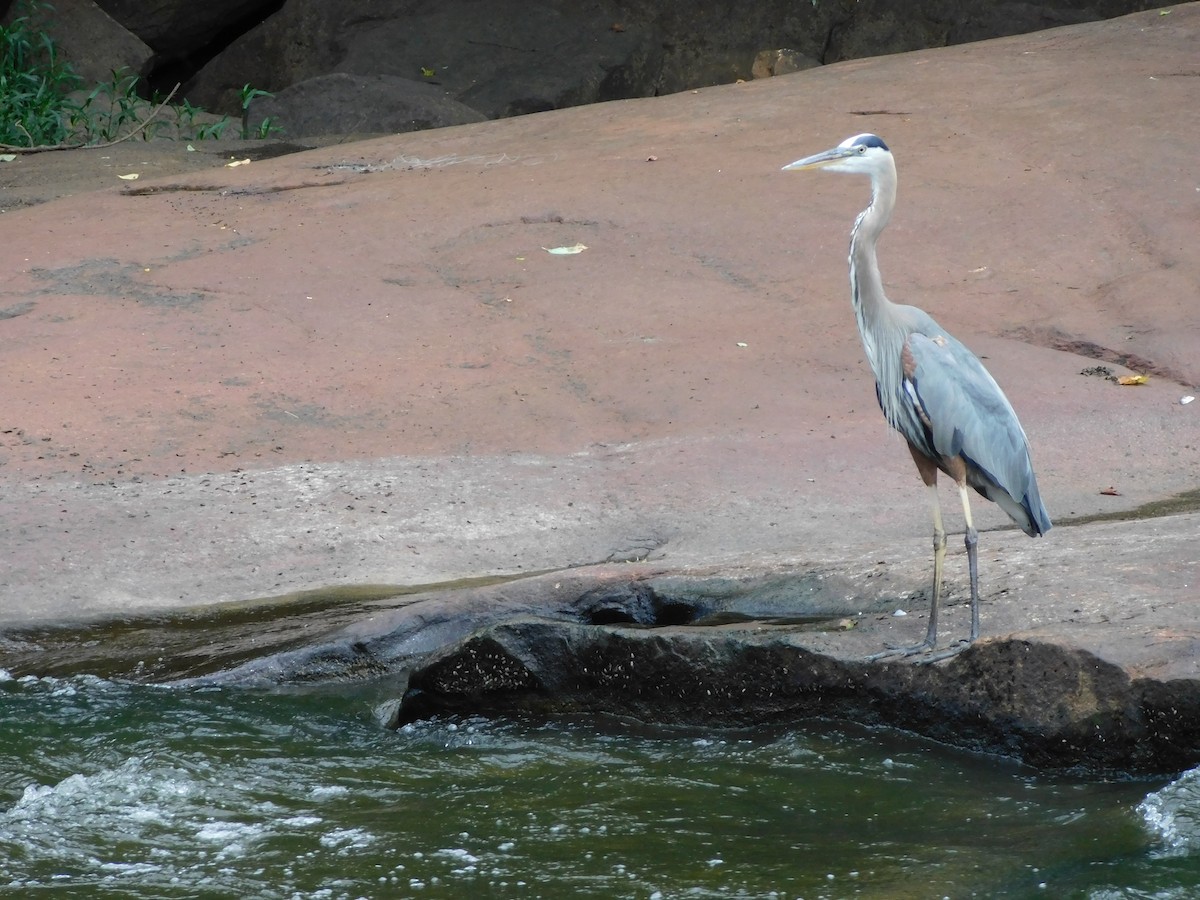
(225,832)
(301,821)
(322,791)
(1172,814)
(458,854)
(347,839)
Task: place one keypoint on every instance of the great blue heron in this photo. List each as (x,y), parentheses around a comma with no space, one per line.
(931,388)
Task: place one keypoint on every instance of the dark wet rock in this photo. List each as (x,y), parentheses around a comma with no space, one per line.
(418,626)
(513,57)
(1044,704)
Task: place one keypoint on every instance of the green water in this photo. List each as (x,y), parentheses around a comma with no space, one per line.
(123,790)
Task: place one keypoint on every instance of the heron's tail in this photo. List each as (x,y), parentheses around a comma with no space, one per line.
(1029,512)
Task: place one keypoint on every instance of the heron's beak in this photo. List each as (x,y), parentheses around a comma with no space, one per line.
(820,160)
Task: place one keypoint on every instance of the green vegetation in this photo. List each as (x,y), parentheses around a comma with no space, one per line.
(33,85)
(44,103)
(266,127)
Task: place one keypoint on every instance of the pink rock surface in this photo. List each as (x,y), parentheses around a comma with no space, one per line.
(361,364)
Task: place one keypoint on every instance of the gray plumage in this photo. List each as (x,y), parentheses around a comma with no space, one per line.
(931,388)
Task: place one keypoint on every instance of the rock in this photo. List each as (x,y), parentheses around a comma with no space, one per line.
(502,59)
(1041,703)
(178,29)
(1056,685)
(780,62)
(93,42)
(876,26)
(514,57)
(717,43)
(988,20)
(489,408)
(356,104)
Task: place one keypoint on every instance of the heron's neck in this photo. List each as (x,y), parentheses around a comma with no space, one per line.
(874,311)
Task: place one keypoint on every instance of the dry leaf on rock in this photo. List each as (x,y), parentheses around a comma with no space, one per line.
(566,251)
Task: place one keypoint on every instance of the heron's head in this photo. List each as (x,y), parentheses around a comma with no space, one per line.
(863,154)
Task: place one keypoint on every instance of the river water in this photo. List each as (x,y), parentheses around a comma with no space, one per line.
(112,789)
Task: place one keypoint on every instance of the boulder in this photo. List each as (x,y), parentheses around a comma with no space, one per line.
(93,42)
(780,62)
(355,104)
(510,57)
(177,29)
(1042,703)
(502,59)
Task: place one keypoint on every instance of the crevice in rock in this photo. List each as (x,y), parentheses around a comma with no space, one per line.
(635,603)
(1056,339)
(169,69)
(1176,504)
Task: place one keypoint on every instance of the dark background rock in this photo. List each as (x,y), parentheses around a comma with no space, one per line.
(353,104)
(512,56)
(183,33)
(501,58)
(94,43)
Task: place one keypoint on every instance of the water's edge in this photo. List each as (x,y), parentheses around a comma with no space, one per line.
(652,645)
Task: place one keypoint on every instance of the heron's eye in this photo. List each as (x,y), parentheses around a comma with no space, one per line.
(862,148)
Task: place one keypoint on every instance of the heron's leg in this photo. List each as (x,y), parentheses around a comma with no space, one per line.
(929,473)
(972,540)
(939,559)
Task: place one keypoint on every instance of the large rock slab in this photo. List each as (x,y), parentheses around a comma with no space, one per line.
(360,365)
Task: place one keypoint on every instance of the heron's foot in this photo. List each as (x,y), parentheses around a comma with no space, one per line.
(949,653)
(901,652)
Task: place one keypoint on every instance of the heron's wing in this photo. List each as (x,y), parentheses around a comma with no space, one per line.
(965,414)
